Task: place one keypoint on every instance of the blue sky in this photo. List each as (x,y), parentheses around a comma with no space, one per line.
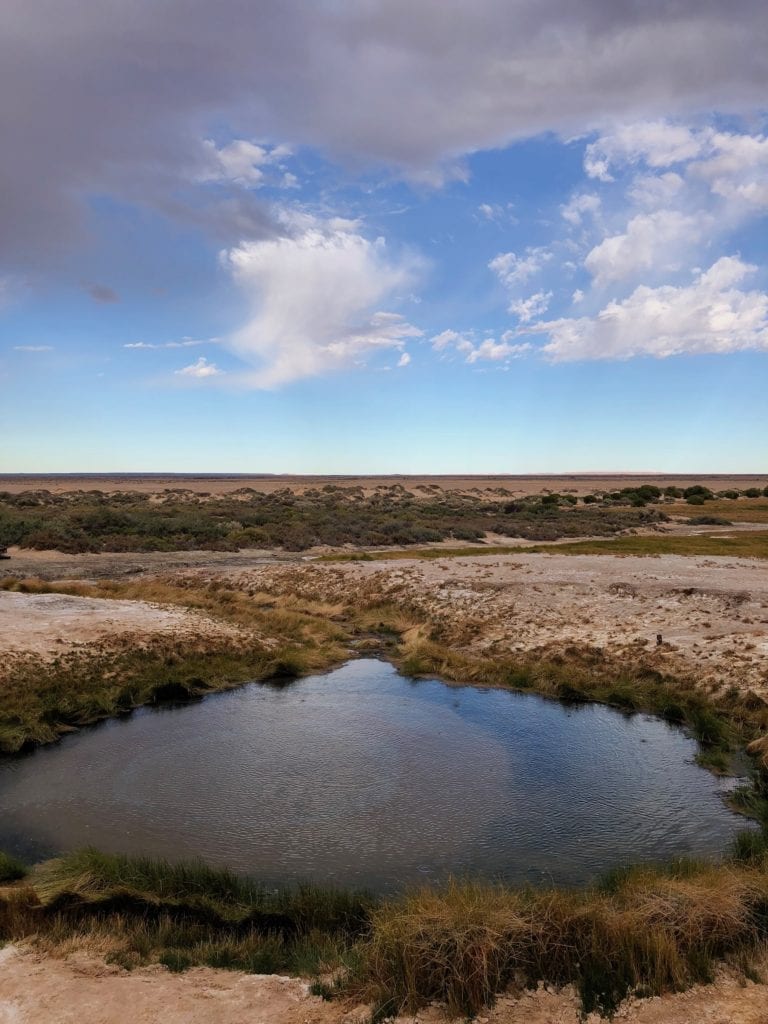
(389,262)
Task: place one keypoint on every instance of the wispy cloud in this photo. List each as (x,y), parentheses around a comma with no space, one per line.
(33,348)
(200,370)
(183,343)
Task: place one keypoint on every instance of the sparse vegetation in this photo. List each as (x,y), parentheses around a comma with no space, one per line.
(89,521)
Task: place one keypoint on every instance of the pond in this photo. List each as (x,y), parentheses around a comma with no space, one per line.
(365,777)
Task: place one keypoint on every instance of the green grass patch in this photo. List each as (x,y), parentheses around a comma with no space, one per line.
(740,545)
(11,869)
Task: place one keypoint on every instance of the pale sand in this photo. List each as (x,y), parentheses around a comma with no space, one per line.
(50,624)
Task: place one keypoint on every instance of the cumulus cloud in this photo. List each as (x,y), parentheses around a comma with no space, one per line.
(124,93)
(513,270)
(528,309)
(651,241)
(200,370)
(655,143)
(711,315)
(243,162)
(315,301)
(404,360)
(488,350)
(574,210)
(497,351)
(737,168)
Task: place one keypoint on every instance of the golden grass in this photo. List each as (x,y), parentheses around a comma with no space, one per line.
(651,930)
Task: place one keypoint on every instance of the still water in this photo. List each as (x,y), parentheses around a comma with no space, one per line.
(365,777)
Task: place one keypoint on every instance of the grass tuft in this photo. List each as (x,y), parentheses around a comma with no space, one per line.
(11,869)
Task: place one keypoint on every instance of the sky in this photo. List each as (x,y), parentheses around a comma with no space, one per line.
(379,236)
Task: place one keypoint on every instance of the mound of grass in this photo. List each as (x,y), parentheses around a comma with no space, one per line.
(653,930)
(11,869)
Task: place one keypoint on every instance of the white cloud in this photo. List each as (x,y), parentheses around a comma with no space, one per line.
(655,190)
(33,348)
(585,203)
(652,241)
(242,163)
(404,360)
(497,212)
(528,309)
(497,351)
(513,270)
(315,298)
(460,341)
(737,169)
(488,350)
(655,143)
(184,343)
(200,370)
(711,315)
(578,296)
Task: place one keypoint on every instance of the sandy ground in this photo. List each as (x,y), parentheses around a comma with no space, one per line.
(82,990)
(48,624)
(518,485)
(712,612)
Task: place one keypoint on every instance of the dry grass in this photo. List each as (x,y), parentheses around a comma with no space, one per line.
(648,931)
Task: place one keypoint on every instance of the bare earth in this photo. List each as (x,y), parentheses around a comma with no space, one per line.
(517,485)
(83,990)
(49,624)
